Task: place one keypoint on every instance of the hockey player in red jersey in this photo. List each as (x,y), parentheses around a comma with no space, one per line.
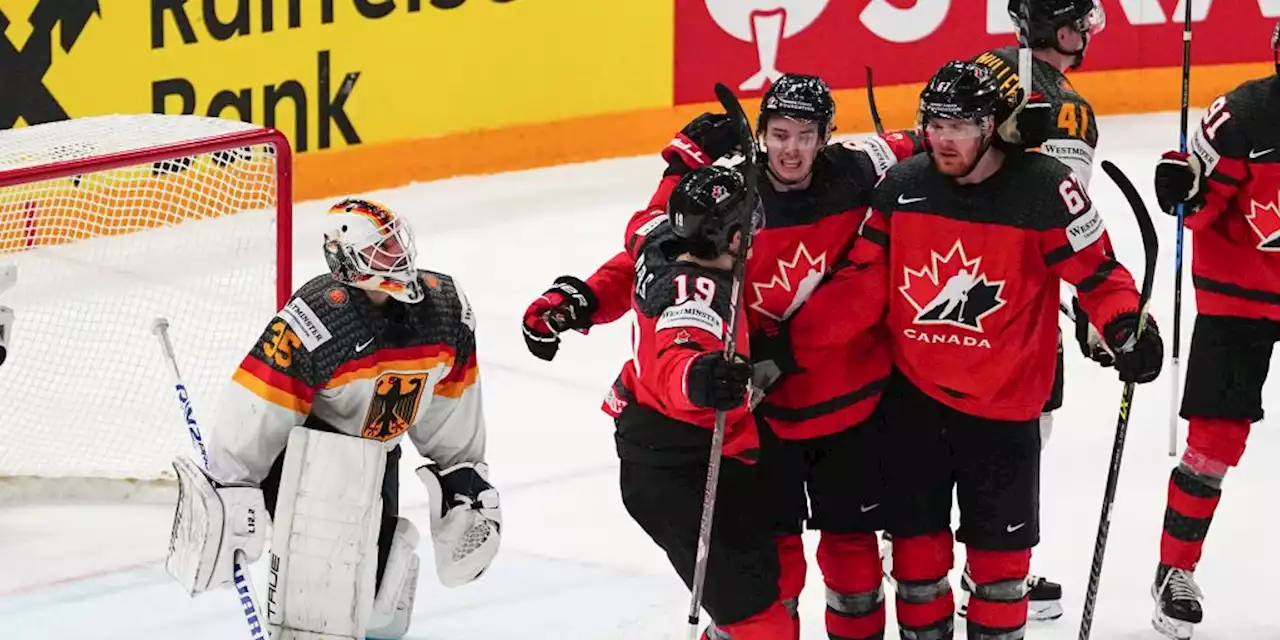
(820,429)
(1059,33)
(1228,186)
(667,397)
(977,241)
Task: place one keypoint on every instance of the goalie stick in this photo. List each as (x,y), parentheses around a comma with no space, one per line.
(1151,249)
(749,170)
(240,570)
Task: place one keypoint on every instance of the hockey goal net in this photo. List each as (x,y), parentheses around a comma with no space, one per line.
(111,222)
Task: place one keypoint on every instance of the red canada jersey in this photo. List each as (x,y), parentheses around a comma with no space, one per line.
(682,312)
(803,241)
(974,273)
(1235,263)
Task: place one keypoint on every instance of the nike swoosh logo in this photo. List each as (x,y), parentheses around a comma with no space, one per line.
(361,347)
(1255,154)
(866,508)
(906,200)
(1011,528)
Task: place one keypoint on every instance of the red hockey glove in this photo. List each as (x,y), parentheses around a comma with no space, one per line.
(568,304)
(701,142)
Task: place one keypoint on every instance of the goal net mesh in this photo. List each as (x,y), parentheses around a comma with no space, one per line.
(185,230)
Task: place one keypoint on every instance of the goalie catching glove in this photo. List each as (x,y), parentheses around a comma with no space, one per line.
(210,524)
(466,522)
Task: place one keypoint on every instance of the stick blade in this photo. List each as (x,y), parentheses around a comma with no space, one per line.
(1150,241)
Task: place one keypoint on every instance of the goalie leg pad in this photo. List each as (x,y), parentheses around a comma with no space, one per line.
(393,606)
(466,520)
(209,525)
(324,543)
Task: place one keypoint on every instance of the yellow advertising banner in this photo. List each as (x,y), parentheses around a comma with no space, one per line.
(336,73)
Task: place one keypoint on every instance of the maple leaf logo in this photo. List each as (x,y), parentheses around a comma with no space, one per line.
(952,290)
(791,285)
(1265,220)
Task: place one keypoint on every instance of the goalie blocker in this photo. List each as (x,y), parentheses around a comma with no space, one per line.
(335,536)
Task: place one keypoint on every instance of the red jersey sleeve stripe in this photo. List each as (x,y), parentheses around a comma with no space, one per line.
(275,387)
(277,379)
(459,380)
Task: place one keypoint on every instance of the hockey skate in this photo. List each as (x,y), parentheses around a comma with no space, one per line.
(1177,599)
(1044,598)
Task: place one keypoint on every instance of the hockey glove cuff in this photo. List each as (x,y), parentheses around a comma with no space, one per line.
(716,383)
(1137,358)
(568,304)
(701,142)
(1179,180)
(1091,343)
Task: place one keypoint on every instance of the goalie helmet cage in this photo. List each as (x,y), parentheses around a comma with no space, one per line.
(112,221)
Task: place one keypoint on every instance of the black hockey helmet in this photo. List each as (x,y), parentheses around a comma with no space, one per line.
(800,97)
(961,90)
(706,209)
(1039,21)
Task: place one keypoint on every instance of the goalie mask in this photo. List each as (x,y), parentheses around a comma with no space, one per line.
(369,247)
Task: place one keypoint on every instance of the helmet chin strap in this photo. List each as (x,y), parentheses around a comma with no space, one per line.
(1077,55)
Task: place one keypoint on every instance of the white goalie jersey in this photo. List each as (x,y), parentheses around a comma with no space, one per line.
(333,359)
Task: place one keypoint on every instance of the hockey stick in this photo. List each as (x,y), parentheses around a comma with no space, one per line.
(1177,258)
(1151,249)
(1024,57)
(734,109)
(871,102)
(240,572)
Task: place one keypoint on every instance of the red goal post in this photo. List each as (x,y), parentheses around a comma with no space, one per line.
(112,221)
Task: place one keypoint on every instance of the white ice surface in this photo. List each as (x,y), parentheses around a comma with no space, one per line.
(573,565)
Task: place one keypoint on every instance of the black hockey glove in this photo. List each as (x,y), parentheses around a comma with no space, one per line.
(1090,341)
(1138,359)
(568,304)
(701,142)
(1179,180)
(772,354)
(716,383)
(1028,125)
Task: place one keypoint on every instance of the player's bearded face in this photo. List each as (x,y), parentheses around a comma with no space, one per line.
(792,146)
(956,144)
